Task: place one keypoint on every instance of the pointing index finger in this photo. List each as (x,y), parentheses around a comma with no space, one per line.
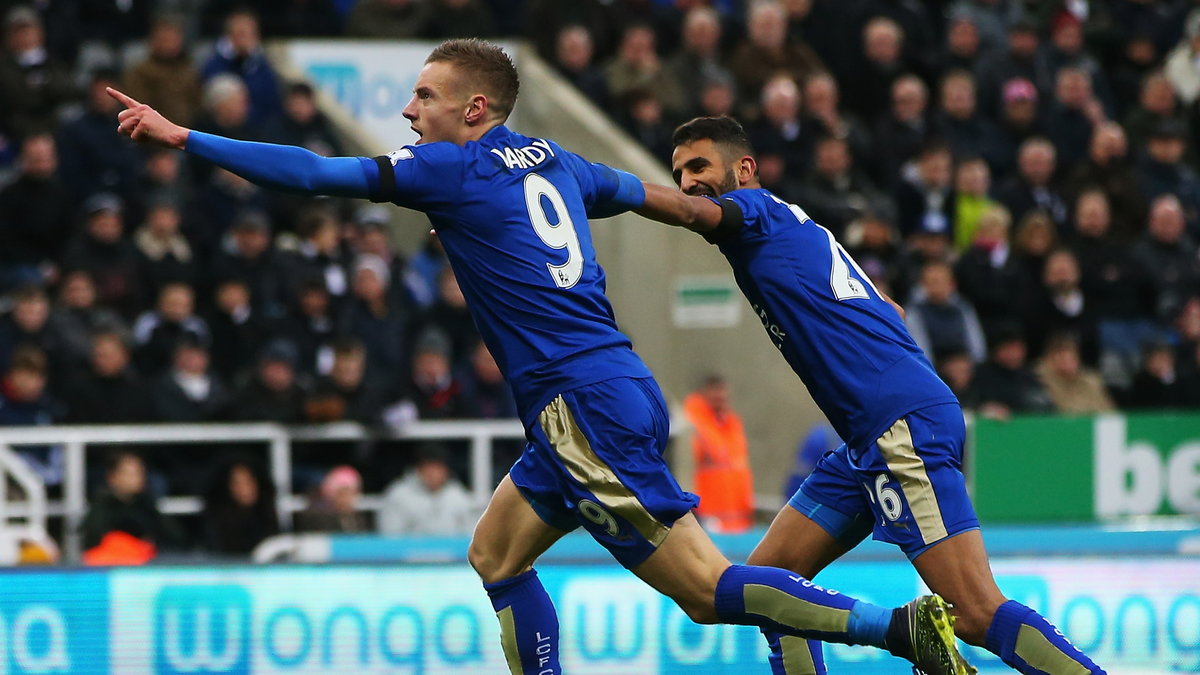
(124,99)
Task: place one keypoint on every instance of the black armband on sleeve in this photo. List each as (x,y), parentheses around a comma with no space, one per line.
(732,221)
(387,180)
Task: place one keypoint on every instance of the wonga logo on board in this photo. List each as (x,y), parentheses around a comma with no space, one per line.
(202,630)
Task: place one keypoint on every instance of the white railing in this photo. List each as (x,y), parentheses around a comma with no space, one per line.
(76,441)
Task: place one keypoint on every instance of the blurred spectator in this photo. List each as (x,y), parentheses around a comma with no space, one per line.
(109,391)
(247,255)
(1017,62)
(1019,121)
(319,256)
(636,67)
(165,178)
(157,331)
(189,391)
(166,79)
(1034,239)
(226,112)
(642,117)
(1167,256)
(374,238)
(303,124)
(1072,116)
(222,201)
(485,393)
(273,394)
(962,49)
(428,499)
(877,67)
(1002,385)
(957,370)
(309,328)
(920,248)
(27,325)
(823,114)
(545,18)
(449,315)
(837,192)
(92,158)
(1156,104)
(33,84)
(1182,66)
(347,393)
(939,319)
(239,508)
(1163,170)
(336,507)
(238,329)
(75,319)
(239,52)
(902,131)
(1138,60)
(387,18)
(434,390)
(698,60)
(1066,50)
(873,244)
(375,319)
(778,132)
(1108,168)
(1073,389)
(24,402)
(424,270)
(458,19)
(35,216)
(719,449)
(766,52)
(717,98)
(164,254)
(125,506)
(1033,187)
(1061,307)
(972,185)
(818,441)
(989,275)
(574,59)
(992,19)
(926,198)
(1157,383)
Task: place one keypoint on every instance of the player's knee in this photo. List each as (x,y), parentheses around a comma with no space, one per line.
(488,562)
(699,610)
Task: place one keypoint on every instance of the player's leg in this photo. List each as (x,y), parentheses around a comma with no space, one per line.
(507,540)
(923,457)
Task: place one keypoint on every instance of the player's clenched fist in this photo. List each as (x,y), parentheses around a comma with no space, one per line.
(145,125)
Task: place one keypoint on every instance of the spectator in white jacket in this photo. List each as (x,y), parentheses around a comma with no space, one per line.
(428,499)
(1183,63)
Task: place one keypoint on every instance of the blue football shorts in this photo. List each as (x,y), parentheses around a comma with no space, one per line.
(595,458)
(907,488)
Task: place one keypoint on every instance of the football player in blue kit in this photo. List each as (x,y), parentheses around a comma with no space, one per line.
(511,212)
(899,474)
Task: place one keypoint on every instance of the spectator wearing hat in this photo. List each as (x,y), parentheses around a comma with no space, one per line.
(166,79)
(1018,61)
(246,254)
(157,331)
(1020,120)
(1167,256)
(108,390)
(901,132)
(1163,170)
(371,316)
(1003,385)
(164,254)
(189,391)
(336,506)
(1073,389)
(35,216)
(239,52)
(102,251)
(32,83)
(274,393)
(92,158)
(428,499)
(238,330)
(1109,168)
(1182,67)
(1033,186)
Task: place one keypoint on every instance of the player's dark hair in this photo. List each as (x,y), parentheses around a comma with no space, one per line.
(723,131)
(489,69)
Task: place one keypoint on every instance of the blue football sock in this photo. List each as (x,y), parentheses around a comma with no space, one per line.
(1025,640)
(528,624)
(794,655)
(782,602)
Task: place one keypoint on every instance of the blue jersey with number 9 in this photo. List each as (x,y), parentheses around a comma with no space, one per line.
(845,341)
(511,212)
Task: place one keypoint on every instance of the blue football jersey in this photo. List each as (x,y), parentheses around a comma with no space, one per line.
(846,343)
(511,212)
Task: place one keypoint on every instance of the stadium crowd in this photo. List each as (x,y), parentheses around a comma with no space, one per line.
(1021,176)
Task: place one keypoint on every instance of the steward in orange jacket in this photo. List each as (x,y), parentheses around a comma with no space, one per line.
(723,480)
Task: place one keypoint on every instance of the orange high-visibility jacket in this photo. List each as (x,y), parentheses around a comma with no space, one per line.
(723,480)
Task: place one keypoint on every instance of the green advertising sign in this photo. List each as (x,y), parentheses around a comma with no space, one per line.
(1086,468)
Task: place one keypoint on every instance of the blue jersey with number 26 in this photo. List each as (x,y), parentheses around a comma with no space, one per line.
(511,212)
(846,343)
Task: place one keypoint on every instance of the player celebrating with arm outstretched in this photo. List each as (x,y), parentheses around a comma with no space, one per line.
(511,212)
(899,473)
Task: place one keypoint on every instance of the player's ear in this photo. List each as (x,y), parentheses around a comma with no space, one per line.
(477,109)
(746,169)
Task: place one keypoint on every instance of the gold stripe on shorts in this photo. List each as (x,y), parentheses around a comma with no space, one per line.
(787,609)
(797,659)
(1039,652)
(576,453)
(508,639)
(899,452)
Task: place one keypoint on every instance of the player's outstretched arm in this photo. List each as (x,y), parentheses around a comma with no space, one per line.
(670,206)
(284,167)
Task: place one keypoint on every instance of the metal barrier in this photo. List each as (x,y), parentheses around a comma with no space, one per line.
(76,439)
